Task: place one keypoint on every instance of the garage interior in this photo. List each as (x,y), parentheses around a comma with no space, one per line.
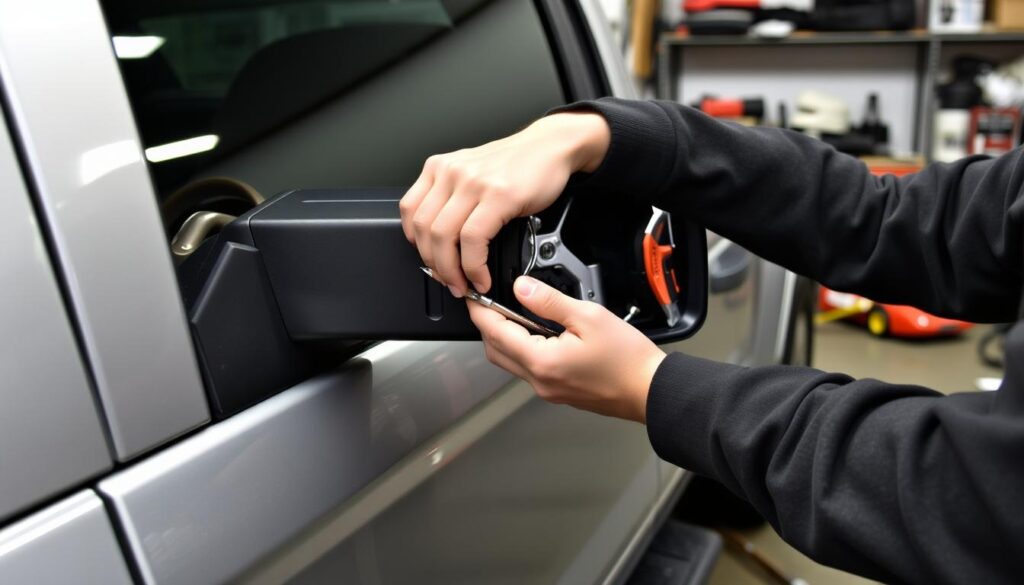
(900,79)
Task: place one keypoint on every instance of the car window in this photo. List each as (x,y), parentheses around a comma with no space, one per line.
(325,94)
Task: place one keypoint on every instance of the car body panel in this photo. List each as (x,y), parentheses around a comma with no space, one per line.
(50,431)
(245,486)
(776,293)
(508,509)
(71,541)
(77,135)
(726,333)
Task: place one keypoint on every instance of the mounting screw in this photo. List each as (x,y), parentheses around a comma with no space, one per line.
(547,250)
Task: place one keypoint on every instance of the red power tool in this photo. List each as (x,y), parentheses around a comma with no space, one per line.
(731,108)
(703,5)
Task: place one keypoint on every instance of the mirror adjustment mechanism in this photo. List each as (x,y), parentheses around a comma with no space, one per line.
(551,253)
(308,276)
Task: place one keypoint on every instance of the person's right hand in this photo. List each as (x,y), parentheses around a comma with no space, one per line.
(462,199)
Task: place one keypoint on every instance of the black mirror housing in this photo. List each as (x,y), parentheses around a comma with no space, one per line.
(312,273)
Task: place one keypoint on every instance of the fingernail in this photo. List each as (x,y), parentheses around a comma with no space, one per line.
(455,292)
(525,286)
(478,287)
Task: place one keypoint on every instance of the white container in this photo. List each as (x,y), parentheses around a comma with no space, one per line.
(949,142)
(953,16)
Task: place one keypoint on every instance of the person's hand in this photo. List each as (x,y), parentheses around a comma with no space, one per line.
(462,199)
(599,363)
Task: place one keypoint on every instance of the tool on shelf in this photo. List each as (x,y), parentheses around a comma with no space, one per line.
(731,107)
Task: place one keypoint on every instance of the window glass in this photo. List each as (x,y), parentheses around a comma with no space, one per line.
(207,50)
(338,93)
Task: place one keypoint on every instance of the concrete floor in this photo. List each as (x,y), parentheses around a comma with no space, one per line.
(947,365)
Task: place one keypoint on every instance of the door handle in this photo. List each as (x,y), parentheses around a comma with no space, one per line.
(728,265)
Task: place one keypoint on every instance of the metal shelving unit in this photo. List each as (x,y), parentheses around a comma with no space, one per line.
(929,50)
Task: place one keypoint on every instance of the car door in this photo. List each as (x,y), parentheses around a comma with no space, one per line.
(51,438)
(414,461)
(404,461)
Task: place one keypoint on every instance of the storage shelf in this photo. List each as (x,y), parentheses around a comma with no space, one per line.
(844,38)
(928,46)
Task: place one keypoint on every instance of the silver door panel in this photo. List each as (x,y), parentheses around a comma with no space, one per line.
(50,432)
(78,136)
(552,495)
(611,56)
(671,483)
(69,542)
(209,507)
(774,307)
(726,333)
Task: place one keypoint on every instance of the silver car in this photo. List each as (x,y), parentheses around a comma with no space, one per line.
(385,462)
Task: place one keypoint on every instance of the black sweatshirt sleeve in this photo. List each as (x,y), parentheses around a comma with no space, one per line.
(946,239)
(894,482)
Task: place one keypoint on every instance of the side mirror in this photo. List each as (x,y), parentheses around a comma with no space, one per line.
(310,274)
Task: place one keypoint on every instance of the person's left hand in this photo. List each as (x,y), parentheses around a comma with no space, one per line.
(599,363)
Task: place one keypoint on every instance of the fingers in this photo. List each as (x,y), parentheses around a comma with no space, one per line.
(490,324)
(509,339)
(549,303)
(413,197)
(423,219)
(444,240)
(475,237)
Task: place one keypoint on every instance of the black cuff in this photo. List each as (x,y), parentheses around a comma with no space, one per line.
(680,409)
(642,149)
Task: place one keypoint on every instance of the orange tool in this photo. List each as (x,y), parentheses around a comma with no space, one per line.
(658,246)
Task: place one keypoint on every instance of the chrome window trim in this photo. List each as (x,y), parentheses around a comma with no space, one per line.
(789,279)
(611,58)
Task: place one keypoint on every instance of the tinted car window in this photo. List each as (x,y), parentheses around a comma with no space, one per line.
(340,93)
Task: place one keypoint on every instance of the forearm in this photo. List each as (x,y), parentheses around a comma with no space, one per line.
(946,239)
(893,482)
(587,137)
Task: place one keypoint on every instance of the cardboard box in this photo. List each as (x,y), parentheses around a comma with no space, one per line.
(1008,14)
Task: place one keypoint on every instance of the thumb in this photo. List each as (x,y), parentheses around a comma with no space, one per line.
(545,301)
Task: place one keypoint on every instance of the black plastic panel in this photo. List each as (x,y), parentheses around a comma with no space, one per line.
(341,268)
(245,353)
